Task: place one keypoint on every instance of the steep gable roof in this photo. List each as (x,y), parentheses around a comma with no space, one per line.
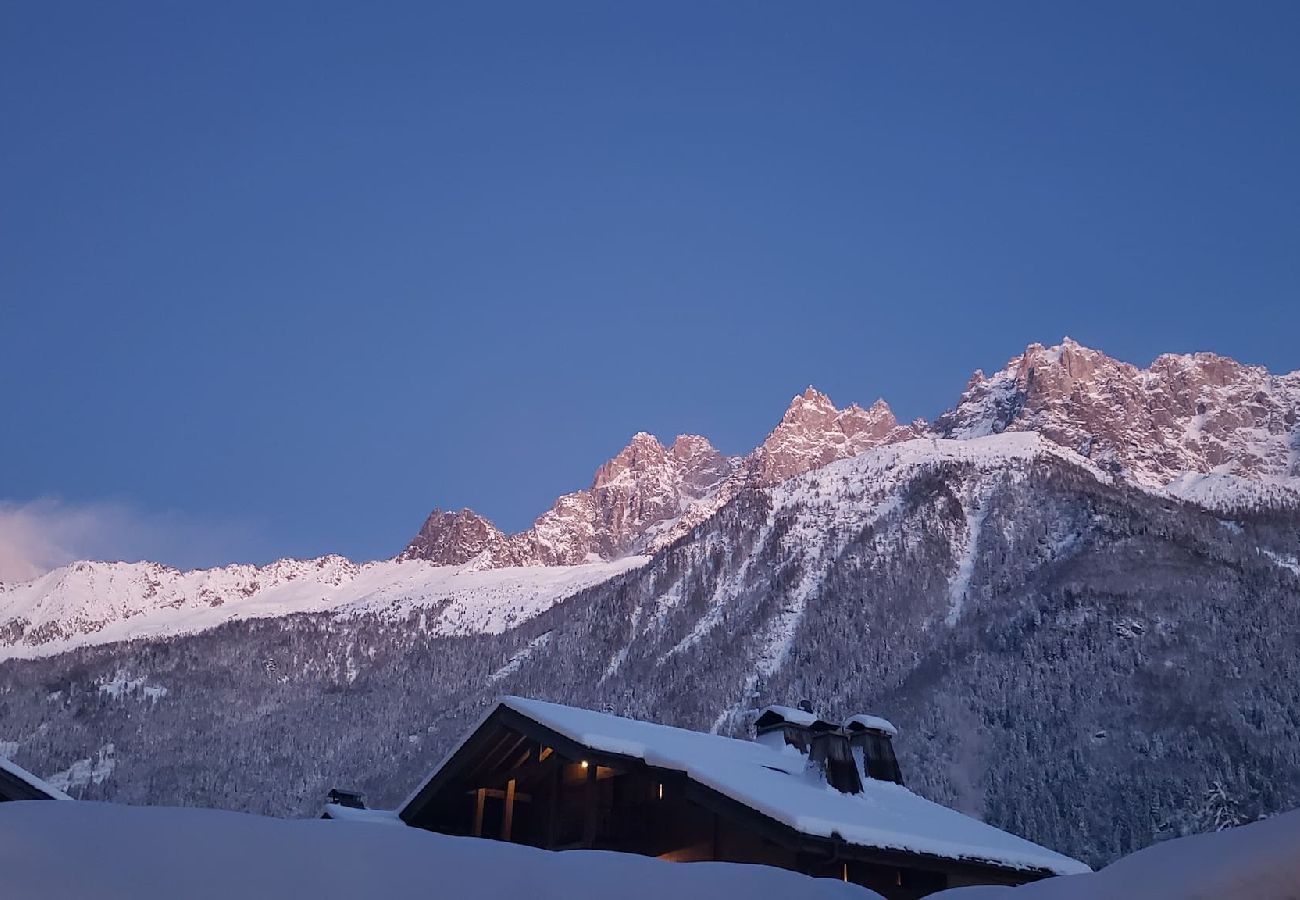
(776,784)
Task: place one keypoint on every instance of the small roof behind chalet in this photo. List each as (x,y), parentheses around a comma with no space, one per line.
(16,783)
(774,783)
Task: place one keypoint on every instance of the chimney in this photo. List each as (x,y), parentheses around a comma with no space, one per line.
(827,748)
(871,739)
(782,726)
(833,756)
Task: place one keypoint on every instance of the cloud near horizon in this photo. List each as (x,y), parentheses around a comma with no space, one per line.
(44,534)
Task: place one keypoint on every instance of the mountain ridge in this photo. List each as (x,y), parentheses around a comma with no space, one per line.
(1200,425)
(1067,654)
(1200,428)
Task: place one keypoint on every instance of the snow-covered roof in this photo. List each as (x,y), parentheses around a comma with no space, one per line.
(40,785)
(793,715)
(775,783)
(871,723)
(370,816)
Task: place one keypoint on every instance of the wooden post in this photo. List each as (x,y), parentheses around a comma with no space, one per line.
(508,820)
(591,808)
(480,797)
(553,797)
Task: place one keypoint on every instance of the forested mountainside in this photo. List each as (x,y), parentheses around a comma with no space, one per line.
(1069,655)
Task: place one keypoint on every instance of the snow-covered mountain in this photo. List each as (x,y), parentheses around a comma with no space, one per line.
(87,603)
(1075,592)
(1068,655)
(644,486)
(1199,427)
(650,495)
(1204,426)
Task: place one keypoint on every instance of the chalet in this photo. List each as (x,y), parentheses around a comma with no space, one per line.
(824,799)
(18,784)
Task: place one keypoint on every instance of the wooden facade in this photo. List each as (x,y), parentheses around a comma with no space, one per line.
(517,780)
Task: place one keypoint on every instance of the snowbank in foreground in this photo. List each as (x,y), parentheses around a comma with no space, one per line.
(95,851)
(1259,861)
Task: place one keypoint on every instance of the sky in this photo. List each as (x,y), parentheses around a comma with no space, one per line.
(277,279)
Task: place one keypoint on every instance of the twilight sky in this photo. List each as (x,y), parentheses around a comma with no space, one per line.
(277,278)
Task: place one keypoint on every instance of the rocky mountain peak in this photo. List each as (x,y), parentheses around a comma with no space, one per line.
(812,407)
(453,538)
(1185,418)
(813,432)
(644,485)
(1187,421)
(1068,361)
(642,454)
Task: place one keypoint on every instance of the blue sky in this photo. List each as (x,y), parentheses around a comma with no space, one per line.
(276,279)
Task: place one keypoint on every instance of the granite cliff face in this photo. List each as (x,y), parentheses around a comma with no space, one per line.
(644,486)
(1198,426)
(813,433)
(649,495)
(1203,426)
(453,538)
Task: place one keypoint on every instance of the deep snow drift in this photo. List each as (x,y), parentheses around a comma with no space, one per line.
(97,851)
(1260,861)
(94,851)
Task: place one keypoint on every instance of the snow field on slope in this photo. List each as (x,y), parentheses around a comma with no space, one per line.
(99,603)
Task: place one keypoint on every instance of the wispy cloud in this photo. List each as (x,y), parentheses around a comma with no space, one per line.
(44,534)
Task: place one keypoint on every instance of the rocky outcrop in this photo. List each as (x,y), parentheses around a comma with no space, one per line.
(813,433)
(1201,426)
(633,494)
(1183,418)
(454,538)
(649,495)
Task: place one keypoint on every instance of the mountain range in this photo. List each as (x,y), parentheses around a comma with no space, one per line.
(1074,591)
(1199,426)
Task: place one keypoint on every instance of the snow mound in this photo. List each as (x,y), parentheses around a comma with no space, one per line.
(1260,861)
(154,852)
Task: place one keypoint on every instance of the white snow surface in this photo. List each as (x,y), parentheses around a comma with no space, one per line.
(1221,490)
(97,603)
(1260,861)
(1290,563)
(98,851)
(775,783)
(91,770)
